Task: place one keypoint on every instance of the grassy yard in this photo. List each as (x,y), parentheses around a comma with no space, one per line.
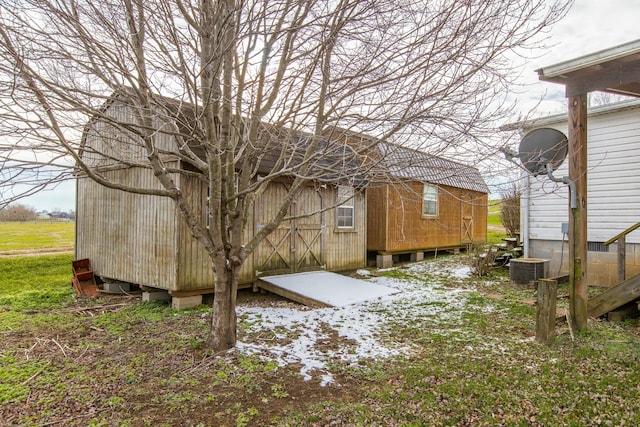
(113,361)
(495,230)
(36,235)
(495,209)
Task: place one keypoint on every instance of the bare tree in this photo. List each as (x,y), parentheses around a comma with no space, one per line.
(17,212)
(510,213)
(605,98)
(431,75)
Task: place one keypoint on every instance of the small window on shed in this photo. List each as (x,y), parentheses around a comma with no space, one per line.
(346,207)
(430,200)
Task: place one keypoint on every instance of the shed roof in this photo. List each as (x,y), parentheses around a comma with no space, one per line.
(614,70)
(277,150)
(407,163)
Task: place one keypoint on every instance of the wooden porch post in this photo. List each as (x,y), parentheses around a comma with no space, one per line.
(546,310)
(578,219)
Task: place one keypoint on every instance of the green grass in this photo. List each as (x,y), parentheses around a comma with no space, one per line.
(142,364)
(29,284)
(487,370)
(523,384)
(35,282)
(495,209)
(495,237)
(494,220)
(36,235)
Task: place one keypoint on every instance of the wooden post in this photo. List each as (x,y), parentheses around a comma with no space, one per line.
(578,219)
(622,254)
(546,310)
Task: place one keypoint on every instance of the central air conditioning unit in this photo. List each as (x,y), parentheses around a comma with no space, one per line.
(527,271)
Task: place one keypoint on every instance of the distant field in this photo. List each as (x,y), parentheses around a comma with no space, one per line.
(495,209)
(18,236)
(495,230)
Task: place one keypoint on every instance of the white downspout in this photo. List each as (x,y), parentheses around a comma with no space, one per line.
(525,205)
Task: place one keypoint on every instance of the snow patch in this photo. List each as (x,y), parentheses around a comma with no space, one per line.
(304,336)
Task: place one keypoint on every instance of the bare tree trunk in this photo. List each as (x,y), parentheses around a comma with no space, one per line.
(223,323)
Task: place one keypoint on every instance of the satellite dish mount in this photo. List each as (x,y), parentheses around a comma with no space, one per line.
(541,152)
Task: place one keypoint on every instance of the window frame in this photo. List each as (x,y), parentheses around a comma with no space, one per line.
(431,201)
(345,202)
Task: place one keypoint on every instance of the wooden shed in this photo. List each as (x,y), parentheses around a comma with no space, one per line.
(417,202)
(433,204)
(141,239)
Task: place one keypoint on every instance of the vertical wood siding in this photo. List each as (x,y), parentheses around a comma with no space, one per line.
(108,145)
(407,229)
(194,265)
(346,249)
(377,217)
(128,237)
(308,251)
(195,268)
(310,241)
(480,204)
(274,253)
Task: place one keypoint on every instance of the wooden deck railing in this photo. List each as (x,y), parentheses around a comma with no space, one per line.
(622,250)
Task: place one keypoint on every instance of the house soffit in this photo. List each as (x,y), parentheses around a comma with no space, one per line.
(615,70)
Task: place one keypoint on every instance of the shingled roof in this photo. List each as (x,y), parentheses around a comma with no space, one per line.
(406,163)
(276,149)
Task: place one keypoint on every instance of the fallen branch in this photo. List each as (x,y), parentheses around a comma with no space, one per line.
(98,307)
(67,420)
(58,344)
(569,323)
(28,380)
(82,354)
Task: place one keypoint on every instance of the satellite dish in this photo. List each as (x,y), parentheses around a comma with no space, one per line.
(542,147)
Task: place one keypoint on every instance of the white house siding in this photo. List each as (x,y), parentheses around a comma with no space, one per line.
(613,200)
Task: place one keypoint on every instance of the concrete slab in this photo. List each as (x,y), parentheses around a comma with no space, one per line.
(324,288)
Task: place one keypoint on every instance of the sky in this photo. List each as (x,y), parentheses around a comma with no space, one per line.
(590,26)
(62,198)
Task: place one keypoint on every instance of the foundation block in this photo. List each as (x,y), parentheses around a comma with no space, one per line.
(181,303)
(417,256)
(384,261)
(116,287)
(155,296)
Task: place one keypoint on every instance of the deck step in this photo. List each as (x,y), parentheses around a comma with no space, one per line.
(621,294)
(627,311)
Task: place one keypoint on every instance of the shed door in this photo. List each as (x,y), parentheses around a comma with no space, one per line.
(466,222)
(297,244)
